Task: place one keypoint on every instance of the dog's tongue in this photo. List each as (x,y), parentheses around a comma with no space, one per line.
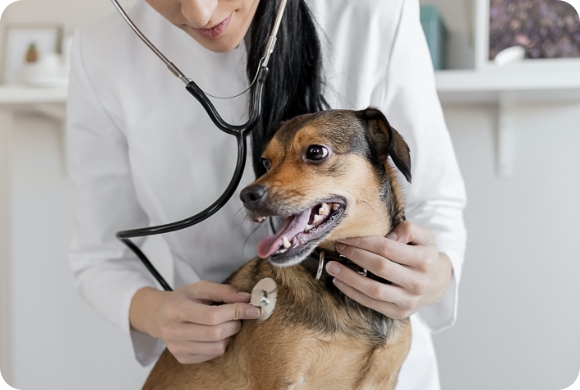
(292,226)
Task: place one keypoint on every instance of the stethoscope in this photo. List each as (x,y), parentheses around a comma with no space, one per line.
(264,294)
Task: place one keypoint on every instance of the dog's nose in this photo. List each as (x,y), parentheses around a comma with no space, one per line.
(253,196)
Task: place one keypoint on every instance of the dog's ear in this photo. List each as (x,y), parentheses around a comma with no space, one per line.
(386,141)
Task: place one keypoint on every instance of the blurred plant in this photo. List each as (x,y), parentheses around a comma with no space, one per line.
(575,4)
(545,28)
(31,54)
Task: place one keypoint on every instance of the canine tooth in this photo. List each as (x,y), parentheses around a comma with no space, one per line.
(318,218)
(323,209)
(335,206)
(308,227)
(286,243)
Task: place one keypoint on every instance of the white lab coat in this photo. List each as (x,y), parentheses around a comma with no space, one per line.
(143,151)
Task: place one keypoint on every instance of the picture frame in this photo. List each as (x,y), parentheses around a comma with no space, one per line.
(46,38)
(482,49)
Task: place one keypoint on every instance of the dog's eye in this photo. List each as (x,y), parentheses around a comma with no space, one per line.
(266,164)
(316,152)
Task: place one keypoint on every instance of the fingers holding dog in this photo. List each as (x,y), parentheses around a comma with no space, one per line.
(387,308)
(372,288)
(411,233)
(206,291)
(204,351)
(196,324)
(394,250)
(408,257)
(215,315)
(378,264)
(204,333)
(193,343)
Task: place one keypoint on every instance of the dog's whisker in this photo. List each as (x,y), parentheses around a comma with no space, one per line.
(236,214)
(371,207)
(250,235)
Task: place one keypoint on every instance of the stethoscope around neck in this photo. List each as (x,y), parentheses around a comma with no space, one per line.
(238,131)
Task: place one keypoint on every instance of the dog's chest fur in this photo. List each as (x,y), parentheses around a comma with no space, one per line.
(315,339)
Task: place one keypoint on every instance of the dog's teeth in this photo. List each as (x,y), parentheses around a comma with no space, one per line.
(308,227)
(280,251)
(286,243)
(260,219)
(335,206)
(323,210)
(318,218)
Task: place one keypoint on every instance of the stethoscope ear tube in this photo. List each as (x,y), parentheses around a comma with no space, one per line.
(216,118)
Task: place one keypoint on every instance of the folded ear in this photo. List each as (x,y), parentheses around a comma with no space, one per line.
(387,141)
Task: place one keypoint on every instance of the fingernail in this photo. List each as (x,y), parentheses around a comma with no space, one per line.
(244,294)
(392,236)
(333,268)
(337,283)
(340,247)
(252,312)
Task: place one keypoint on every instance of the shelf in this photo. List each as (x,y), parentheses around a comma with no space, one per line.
(20,95)
(49,102)
(453,86)
(506,88)
(468,86)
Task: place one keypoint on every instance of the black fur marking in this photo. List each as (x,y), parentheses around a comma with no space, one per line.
(386,140)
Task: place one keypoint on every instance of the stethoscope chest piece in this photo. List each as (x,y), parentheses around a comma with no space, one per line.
(264,296)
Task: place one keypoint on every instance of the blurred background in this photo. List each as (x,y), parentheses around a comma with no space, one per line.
(508,75)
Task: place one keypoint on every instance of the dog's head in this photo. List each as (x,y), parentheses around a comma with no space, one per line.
(328,177)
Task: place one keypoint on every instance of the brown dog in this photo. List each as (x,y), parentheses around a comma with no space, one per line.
(328,178)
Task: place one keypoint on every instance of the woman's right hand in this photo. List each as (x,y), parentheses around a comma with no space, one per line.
(188,320)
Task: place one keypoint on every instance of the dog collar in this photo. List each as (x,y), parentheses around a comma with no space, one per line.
(316,262)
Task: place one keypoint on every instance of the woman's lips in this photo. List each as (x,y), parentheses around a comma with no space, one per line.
(216,31)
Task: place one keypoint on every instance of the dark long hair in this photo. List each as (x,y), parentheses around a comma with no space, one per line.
(295,83)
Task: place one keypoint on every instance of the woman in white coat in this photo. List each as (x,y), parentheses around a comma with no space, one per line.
(143,151)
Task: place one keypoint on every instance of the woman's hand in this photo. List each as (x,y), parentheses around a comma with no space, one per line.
(193,328)
(408,257)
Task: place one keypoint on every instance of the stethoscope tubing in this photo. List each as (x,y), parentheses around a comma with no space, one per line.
(214,207)
(240,132)
(241,139)
(125,235)
(235,130)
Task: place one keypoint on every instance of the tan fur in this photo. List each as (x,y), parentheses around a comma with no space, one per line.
(273,355)
(280,353)
(291,182)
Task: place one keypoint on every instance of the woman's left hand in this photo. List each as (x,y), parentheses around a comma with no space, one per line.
(408,257)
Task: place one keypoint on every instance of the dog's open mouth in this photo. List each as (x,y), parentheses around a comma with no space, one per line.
(301,232)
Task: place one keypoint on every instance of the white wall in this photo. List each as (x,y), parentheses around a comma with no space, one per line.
(519,298)
(517,326)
